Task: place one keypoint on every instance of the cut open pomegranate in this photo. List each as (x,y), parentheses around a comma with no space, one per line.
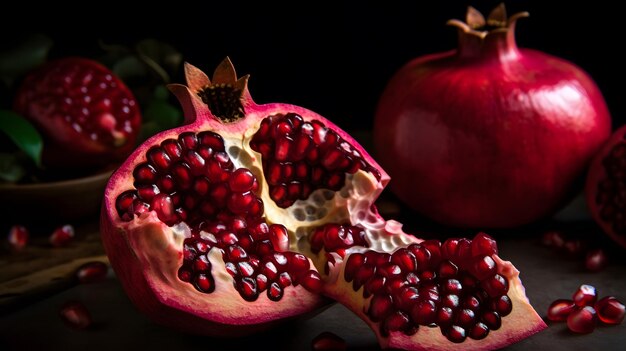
(241,217)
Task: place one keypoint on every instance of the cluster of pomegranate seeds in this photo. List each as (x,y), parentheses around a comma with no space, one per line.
(300,157)
(595,259)
(584,310)
(453,285)
(337,238)
(18,237)
(611,197)
(192,179)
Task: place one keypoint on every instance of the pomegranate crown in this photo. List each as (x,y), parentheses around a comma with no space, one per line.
(475,23)
(224,97)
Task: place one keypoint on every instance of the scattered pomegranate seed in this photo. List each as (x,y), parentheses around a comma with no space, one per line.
(582,320)
(62,235)
(595,260)
(553,239)
(610,310)
(75,315)
(92,272)
(586,295)
(328,341)
(18,237)
(560,309)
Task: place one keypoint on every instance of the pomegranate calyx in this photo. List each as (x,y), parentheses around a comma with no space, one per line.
(224,97)
(497,21)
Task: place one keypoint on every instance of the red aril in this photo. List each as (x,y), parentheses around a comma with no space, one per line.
(582,320)
(238,219)
(596,260)
(610,310)
(560,309)
(62,236)
(91,272)
(586,295)
(17,238)
(508,131)
(75,315)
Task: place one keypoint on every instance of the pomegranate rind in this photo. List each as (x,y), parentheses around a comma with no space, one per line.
(595,175)
(520,324)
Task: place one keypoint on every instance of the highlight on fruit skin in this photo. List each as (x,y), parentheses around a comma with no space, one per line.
(240,218)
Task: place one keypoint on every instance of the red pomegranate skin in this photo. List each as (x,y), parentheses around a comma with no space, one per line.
(489,135)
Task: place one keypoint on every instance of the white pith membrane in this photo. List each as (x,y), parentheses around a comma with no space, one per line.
(151,251)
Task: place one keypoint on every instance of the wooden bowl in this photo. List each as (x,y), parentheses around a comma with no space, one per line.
(53,201)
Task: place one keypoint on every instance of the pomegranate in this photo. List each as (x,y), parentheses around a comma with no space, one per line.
(605,187)
(501,133)
(88,117)
(240,218)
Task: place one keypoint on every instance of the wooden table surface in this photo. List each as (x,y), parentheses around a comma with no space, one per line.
(36,282)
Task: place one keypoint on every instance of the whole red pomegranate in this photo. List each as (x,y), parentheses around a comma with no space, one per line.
(606,187)
(88,117)
(488,135)
(240,218)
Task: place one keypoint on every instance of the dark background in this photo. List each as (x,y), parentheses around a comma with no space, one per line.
(334,59)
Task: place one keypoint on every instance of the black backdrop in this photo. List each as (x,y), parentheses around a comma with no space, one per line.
(336,58)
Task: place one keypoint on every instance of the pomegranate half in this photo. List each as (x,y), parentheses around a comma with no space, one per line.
(497,136)
(240,218)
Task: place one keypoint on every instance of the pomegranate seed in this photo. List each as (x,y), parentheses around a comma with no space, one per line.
(62,236)
(483,267)
(586,295)
(451,301)
(560,309)
(553,239)
(75,315)
(424,312)
(298,262)
(503,305)
(275,292)
(354,262)
(456,334)
(279,237)
(445,316)
(91,272)
(311,281)
(328,341)
(479,331)
(448,269)
(574,247)
(492,320)
(247,288)
(483,245)
(397,321)
(595,260)
(495,286)
(472,303)
(582,320)
(610,310)
(204,283)
(18,237)
(269,270)
(241,180)
(375,285)
(144,174)
(380,307)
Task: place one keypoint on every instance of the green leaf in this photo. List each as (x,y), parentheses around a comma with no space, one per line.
(10,168)
(159,115)
(23,134)
(161,57)
(129,68)
(29,54)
